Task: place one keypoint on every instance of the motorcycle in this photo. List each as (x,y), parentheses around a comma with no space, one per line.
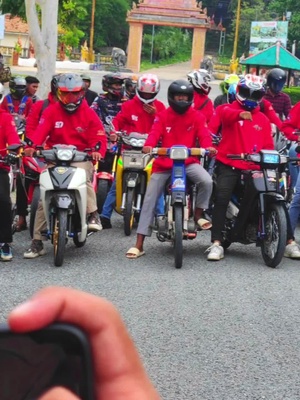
(257,211)
(104,172)
(178,223)
(133,170)
(63,192)
(30,170)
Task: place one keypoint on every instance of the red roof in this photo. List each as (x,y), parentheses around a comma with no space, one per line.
(15,25)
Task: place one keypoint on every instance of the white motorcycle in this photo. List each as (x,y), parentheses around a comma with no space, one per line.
(64,196)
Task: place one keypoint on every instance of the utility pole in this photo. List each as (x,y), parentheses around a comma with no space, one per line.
(91,52)
(236,37)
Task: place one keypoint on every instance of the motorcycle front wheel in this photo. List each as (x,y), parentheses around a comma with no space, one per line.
(128,214)
(178,227)
(273,246)
(59,236)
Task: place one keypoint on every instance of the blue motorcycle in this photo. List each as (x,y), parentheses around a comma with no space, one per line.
(177,223)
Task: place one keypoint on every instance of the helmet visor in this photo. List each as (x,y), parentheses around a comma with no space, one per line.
(70,97)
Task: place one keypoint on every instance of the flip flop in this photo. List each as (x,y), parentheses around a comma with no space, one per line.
(204,224)
(134,253)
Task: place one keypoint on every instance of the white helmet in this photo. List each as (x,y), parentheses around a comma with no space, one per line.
(147,87)
(1,93)
(200,79)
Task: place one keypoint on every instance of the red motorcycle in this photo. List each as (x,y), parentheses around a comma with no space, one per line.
(29,172)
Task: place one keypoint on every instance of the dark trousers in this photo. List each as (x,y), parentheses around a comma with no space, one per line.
(227,178)
(5,208)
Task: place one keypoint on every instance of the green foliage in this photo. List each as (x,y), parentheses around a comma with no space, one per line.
(70,14)
(168,43)
(294,93)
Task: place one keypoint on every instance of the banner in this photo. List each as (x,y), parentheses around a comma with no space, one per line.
(266,33)
(2,21)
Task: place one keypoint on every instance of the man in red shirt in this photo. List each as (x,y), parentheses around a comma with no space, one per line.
(69,121)
(32,122)
(244,129)
(8,136)
(17,102)
(179,124)
(136,115)
(200,80)
(280,101)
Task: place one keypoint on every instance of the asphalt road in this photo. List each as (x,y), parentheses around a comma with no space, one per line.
(211,331)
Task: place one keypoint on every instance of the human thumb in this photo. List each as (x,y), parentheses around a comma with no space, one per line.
(58,393)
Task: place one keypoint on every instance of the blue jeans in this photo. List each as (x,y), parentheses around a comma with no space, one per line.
(294,169)
(294,210)
(110,203)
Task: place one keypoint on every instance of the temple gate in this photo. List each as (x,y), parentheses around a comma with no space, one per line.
(176,13)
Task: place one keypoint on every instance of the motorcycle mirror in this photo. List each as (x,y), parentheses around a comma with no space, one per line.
(33,362)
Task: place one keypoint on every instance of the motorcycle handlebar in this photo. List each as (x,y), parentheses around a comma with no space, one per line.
(240,156)
(194,151)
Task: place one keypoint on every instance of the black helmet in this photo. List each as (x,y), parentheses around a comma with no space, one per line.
(70,91)
(180,87)
(130,86)
(53,83)
(17,86)
(276,79)
(111,79)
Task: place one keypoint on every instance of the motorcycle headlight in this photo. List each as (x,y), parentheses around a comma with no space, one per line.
(137,142)
(64,154)
(179,153)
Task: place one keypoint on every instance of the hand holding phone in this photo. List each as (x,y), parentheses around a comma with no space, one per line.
(118,371)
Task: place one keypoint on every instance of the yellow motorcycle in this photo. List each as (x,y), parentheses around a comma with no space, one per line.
(133,171)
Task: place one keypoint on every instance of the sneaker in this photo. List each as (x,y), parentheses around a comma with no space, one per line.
(292,250)
(36,249)
(105,222)
(5,252)
(215,252)
(94,224)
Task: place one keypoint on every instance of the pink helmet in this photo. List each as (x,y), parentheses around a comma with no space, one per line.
(147,88)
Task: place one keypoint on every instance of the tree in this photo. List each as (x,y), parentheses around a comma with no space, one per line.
(42,21)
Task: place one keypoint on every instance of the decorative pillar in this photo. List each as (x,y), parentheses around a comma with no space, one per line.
(198,47)
(134,46)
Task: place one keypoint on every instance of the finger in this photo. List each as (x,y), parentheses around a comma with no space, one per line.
(118,369)
(58,394)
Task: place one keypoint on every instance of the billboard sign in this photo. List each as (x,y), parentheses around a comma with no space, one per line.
(266,33)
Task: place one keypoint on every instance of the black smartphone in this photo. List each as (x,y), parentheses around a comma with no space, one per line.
(33,362)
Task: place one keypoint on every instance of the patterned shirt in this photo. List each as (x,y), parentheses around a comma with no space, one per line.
(281,103)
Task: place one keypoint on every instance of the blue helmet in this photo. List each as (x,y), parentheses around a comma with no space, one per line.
(231,92)
(250,91)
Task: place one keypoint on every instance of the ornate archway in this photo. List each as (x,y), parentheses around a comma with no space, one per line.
(177,13)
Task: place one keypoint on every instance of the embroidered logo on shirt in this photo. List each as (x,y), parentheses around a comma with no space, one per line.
(79,129)
(59,124)
(257,127)
(134,118)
